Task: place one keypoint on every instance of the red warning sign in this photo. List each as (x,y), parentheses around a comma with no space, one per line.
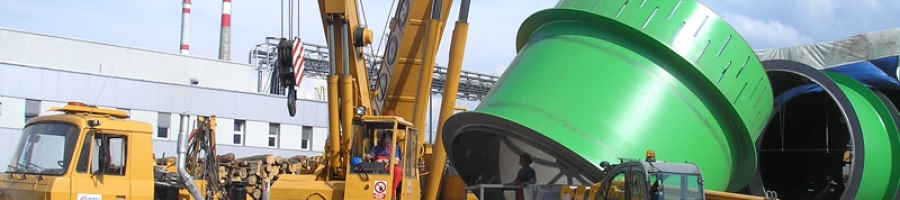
(379,190)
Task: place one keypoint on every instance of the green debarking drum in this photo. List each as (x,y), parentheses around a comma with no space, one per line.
(597,80)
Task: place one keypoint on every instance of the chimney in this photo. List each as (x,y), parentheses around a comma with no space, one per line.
(225,35)
(185,14)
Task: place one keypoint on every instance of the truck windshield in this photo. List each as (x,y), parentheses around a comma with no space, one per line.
(676,186)
(44,148)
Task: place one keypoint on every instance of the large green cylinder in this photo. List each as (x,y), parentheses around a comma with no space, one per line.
(806,139)
(879,143)
(597,80)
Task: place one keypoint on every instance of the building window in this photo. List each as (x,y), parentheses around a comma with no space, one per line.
(239,127)
(306,137)
(32,109)
(1,108)
(163,123)
(274,132)
(162,132)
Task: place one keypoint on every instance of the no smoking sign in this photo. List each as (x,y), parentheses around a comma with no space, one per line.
(379,190)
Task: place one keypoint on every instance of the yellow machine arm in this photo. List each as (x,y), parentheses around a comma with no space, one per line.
(345,41)
(404,81)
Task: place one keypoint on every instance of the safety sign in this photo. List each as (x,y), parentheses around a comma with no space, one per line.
(380,189)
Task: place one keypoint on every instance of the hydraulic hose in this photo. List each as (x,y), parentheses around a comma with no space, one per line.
(182,159)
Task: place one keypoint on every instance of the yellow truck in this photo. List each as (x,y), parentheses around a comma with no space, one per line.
(88,153)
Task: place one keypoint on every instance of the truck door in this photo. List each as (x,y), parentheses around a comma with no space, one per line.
(101,171)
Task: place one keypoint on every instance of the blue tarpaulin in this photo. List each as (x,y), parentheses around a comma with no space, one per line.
(876,74)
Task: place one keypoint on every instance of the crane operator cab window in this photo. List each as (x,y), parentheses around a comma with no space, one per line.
(677,186)
(375,146)
(628,183)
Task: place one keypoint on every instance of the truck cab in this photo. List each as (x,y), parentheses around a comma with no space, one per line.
(84,153)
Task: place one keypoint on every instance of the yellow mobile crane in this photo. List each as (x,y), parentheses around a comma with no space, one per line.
(359,115)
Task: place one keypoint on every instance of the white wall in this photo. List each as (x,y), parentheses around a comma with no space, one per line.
(290,136)
(12,119)
(97,58)
(224,131)
(12,113)
(257,134)
(318,138)
(148,117)
(46,105)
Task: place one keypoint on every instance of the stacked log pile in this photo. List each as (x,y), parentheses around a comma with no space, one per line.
(257,170)
(260,170)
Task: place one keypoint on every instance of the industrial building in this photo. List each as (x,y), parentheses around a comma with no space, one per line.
(159,87)
(154,87)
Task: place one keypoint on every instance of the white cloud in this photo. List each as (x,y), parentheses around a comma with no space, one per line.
(762,34)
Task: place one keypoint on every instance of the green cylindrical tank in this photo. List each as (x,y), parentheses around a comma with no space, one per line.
(598,80)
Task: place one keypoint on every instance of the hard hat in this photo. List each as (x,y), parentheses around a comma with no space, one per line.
(355,161)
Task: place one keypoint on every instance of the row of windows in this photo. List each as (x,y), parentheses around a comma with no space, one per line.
(32,110)
(240,132)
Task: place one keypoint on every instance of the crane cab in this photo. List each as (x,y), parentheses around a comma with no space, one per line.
(378,171)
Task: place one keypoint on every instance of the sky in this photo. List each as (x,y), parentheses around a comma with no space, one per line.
(156,24)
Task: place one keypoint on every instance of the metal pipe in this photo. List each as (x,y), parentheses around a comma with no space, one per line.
(268,192)
(185,22)
(333,125)
(436,9)
(225,34)
(448,103)
(346,93)
(345,43)
(182,154)
(464,12)
(424,84)
(331,59)
(291,18)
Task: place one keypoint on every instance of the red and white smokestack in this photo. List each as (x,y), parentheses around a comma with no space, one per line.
(185,14)
(225,35)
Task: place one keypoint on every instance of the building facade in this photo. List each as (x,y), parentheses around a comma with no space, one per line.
(38,72)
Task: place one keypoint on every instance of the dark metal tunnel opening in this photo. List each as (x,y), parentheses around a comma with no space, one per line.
(492,157)
(803,144)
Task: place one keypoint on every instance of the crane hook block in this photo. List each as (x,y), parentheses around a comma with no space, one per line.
(362,37)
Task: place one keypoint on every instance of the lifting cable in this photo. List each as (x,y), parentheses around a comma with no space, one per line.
(387,21)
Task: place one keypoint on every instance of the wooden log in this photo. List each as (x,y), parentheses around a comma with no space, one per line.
(227,158)
(265,158)
(297,159)
(278,160)
(271,168)
(255,168)
(257,193)
(252,179)
(292,168)
(242,173)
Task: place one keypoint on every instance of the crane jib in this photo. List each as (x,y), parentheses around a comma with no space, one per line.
(390,57)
